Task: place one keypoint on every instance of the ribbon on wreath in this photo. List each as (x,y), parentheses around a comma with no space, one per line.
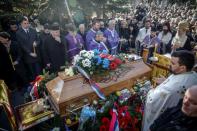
(35,84)
(94,85)
(114,124)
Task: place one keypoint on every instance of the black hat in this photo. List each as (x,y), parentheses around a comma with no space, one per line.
(5,35)
(46,26)
(55,26)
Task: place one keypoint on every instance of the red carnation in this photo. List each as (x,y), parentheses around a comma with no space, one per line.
(113,65)
(105,121)
(138,109)
(103,128)
(118,61)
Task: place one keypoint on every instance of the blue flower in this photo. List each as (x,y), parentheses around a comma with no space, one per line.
(98,60)
(105,63)
(105,52)
(96,51)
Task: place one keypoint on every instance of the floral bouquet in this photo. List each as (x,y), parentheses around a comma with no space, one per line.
(96,62)
(129,107)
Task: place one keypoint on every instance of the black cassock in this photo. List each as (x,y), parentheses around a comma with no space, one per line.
(12,75)
(54,53)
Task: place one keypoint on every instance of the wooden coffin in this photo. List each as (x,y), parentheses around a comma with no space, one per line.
(68,94)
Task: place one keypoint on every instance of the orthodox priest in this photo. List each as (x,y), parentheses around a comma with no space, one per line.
(112,37)
(54,49)
(169,92)
(98,43)
(181,41)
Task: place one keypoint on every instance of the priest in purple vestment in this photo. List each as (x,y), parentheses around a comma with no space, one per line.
(98,43)
(75,42)
(150,42)
(112,37)
(92,32)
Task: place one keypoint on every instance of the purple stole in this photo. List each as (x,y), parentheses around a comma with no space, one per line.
(97,45)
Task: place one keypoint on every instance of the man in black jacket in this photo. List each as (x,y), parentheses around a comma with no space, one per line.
(54,49)
(11,67)
(28,40)
(183,117)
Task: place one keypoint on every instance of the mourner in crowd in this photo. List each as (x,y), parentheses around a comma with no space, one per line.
(11,65)
(43,35)
(28,40)
(112,37)
(165,36)
(82,32)
(13,29)
(181,41)
(143,32)
(92,32)
(55,49)
(150,42)
(98,43)
(182,117)
(75,42)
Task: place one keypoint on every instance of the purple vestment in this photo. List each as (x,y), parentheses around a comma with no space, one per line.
(90,36)
(112,40)
(97,45)
(74,45)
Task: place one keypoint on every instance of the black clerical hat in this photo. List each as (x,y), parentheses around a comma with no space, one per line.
(55,26)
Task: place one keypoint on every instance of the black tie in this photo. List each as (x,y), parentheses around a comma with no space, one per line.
(27,32)
(146,30)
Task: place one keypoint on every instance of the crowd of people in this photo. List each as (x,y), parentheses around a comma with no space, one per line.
(25,52)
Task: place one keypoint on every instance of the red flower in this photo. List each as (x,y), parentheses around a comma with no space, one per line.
(104,55)
(110,57)
(135,120)
(105,121)
(118,61)
(123,122)
(103,128)
(138,109)
(113,65)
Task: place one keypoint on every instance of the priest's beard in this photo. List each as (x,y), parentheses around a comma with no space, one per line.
(165,32)
(58,39)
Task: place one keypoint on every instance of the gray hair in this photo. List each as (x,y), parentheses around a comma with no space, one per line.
(111,22)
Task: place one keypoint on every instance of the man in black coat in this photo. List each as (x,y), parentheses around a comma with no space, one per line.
(43,35)
(28,40)
(11,66)
(55,49)
(183,117)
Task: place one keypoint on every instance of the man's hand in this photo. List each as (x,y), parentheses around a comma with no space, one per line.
(33,55)
(160,80)
(34,44)
(15,63)
(48,65)
(175,46)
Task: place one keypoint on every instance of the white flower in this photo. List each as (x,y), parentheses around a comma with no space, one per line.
(82,52)
(76,59)
(88,55)
(91,53)
(69,71)
(86,63)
